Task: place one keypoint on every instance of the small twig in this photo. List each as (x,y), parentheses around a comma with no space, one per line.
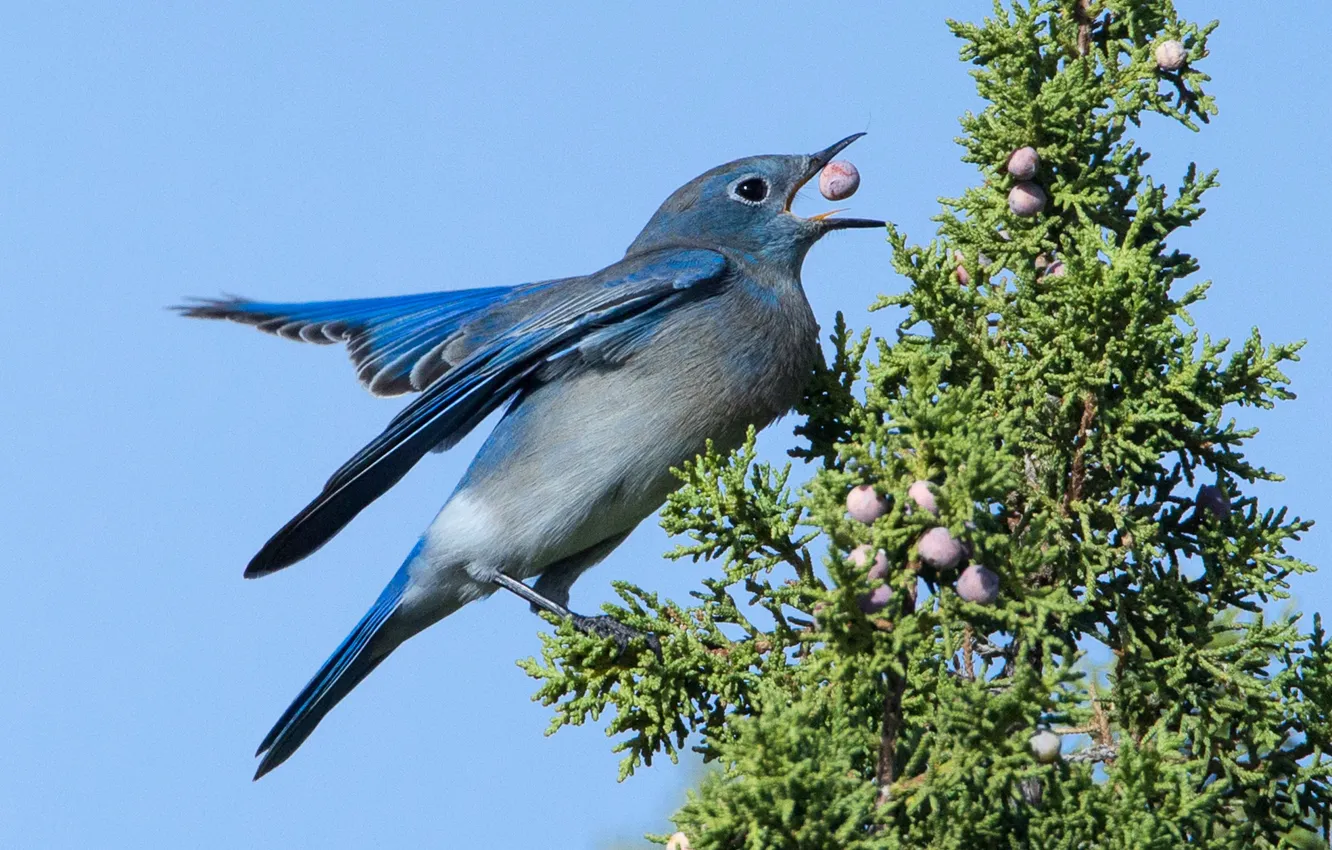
(968,645)
(1101,719)
(985,649)
(1098,752)
(1073,730)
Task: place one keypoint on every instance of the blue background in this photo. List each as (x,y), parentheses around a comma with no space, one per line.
(324,150)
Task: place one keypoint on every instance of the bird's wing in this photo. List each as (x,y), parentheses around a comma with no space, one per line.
(386,337)
(486,363)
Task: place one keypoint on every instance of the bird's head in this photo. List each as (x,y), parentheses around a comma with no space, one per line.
(745,206)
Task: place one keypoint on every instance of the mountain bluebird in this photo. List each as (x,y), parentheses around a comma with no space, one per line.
(608,381)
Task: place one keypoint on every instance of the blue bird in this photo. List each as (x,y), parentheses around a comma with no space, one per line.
(610,380)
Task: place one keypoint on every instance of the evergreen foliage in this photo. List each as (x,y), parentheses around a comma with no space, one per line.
(1049,382)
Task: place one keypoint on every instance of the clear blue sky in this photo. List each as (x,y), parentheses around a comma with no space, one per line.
(307,151)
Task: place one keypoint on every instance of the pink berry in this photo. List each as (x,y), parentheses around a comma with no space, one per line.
(1045,745)
(860,556)
(879,596)
(979,585)
(876,599)
(839,180)
(922,493)
(865,505)
(939,549)
(1023,162)
(1026,199)
(1171,55)
(962,277)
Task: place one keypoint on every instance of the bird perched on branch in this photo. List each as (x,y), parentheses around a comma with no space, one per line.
(610,379)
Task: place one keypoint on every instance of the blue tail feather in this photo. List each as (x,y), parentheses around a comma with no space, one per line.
(388,338)
(351,662)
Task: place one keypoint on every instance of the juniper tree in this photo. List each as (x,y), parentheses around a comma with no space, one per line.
(1048,404)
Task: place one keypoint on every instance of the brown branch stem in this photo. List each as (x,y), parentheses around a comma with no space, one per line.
(1078,473)
(886,771)
(968,647)
(1097,752)
(1083,15)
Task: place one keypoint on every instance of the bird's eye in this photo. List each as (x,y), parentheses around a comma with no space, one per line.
(752,190)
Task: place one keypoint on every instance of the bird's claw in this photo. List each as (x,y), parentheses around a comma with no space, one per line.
(606,626)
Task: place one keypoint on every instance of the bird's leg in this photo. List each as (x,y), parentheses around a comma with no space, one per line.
(601,626)
(538,602)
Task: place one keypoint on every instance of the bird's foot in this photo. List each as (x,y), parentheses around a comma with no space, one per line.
(606,626)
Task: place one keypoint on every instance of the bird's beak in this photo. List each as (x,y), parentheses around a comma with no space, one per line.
(825,156)
(825,220)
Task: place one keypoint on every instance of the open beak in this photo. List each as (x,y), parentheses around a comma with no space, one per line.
(825,220)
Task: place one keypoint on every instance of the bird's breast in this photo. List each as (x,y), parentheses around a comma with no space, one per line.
(589,455)
(749,353)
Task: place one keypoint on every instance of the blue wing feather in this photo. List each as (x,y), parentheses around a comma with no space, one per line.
(496,356)
(388,338)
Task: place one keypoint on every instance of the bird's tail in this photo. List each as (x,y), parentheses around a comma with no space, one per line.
(351,662)
(397,343)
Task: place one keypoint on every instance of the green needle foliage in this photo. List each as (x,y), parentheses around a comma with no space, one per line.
(1048,381)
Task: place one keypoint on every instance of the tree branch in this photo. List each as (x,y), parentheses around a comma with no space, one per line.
(1095,753)
(892,715)
(1083,15)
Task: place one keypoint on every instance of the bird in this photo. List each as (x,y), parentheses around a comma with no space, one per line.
(607,382)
